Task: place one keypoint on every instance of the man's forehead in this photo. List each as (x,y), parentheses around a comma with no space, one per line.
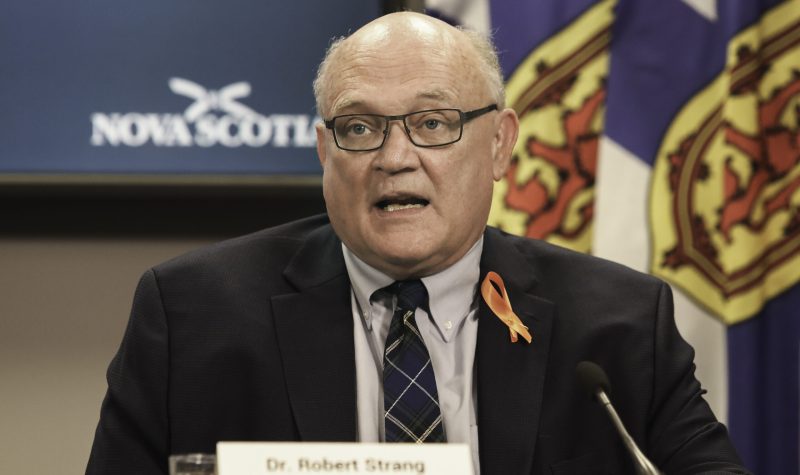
(352,102)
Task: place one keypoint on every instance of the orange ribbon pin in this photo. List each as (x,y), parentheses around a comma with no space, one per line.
(499,304)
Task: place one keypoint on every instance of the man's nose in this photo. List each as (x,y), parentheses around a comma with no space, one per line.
(397,153)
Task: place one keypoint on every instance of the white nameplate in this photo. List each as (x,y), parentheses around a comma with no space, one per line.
(262,458)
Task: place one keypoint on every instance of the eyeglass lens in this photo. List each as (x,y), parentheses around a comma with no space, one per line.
(425,128)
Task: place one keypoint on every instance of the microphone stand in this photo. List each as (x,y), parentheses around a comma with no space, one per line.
(643,465)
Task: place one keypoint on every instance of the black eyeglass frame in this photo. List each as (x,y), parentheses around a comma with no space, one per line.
(463,116)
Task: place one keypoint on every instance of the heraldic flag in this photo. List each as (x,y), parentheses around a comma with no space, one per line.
(665,135)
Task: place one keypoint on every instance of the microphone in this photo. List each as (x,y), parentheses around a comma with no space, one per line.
(595,382)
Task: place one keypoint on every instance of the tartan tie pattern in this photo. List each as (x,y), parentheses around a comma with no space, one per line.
(410,399)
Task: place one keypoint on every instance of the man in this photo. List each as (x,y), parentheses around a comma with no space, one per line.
(300,332)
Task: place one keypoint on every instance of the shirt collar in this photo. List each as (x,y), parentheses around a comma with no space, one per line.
(451,292)
(365,280)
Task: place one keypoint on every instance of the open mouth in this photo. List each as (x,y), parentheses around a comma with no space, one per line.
(397,204)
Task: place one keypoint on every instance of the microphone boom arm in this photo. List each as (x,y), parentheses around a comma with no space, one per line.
(643,465)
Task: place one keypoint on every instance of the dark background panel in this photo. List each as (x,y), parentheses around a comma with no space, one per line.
(152,211)
(82,82)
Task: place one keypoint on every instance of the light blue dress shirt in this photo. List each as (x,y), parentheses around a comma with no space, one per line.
(450,333)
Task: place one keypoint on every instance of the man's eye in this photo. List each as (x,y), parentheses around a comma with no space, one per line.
(358,129)
(432,124)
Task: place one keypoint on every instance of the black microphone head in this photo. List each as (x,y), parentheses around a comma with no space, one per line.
(592,377)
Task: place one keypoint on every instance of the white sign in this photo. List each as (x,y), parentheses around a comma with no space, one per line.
(214,118)
(262,458)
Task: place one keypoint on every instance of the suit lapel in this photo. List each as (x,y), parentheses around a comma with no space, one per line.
(314,327)
(510,375)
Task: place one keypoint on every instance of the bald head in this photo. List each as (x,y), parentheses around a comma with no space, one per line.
(427,36)
(406,209)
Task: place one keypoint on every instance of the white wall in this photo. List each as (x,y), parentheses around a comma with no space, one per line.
(64,304)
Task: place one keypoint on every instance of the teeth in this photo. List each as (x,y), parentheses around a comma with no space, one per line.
(398,207)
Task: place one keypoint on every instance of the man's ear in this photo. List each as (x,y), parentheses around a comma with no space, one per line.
(505,138)
(321,150)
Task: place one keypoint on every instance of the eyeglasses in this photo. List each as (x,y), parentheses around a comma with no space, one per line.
(428,128)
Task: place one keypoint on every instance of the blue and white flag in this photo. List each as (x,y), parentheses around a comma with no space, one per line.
(699,183)
(666,136)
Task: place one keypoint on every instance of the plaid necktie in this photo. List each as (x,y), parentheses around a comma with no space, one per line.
(410,399)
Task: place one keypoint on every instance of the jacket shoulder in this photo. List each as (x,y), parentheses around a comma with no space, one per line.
(262,249)
(549,261)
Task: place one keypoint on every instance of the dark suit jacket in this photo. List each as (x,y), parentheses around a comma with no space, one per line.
(252,339)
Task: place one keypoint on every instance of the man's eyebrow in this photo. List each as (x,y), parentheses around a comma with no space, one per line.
(350,103)
(346,104)
(435,94)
